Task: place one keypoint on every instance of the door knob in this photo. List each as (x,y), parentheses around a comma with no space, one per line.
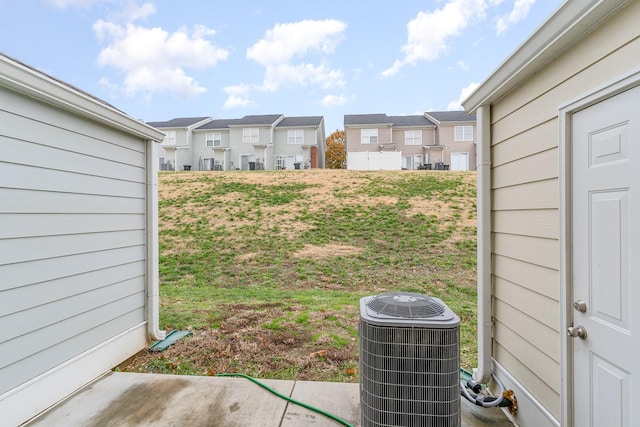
(577,332)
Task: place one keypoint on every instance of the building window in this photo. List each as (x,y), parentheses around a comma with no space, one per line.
(214,140)
(170,137)
(369,136)
(463,133)
(412,137)
(250,135)
(295,136)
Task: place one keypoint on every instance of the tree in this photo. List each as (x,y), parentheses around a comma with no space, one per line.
(335,156)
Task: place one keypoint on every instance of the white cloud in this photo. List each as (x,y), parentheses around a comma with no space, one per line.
(463,65)
(133,12)
(429,32)
(286,41)
(238,96)
(464,93)
(301,75)
(284,50)
(154,60)
(520,11)
(330,100)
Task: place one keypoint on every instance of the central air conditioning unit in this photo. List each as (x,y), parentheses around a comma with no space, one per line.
(409,361)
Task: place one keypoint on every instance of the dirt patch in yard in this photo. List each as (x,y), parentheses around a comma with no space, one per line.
(276,340)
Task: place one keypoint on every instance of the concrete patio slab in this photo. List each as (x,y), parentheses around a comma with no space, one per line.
(339,399)
(130,399)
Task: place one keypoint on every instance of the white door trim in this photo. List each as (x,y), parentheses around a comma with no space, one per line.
(565,111)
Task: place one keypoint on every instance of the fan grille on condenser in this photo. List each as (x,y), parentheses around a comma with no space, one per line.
(406,305)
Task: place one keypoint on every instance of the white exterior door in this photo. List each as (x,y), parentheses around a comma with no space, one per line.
(605,267)
(459,161)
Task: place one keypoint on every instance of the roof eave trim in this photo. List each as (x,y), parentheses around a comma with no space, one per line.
(25,80)
(368,125)
(571,22)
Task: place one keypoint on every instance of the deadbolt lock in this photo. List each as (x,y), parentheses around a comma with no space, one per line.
(580,305)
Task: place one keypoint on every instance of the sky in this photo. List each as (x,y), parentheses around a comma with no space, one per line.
(160,59)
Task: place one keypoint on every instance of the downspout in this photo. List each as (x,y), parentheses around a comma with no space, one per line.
(153,278)
(482,374)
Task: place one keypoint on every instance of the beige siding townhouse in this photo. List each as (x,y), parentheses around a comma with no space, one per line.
(439,140)
(456,133)
(559,198)
(366,136)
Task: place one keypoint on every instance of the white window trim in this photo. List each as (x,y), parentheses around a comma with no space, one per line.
(250,135)
(295,135)
(217,140)
(410,137)
(463,136)
(369,136)
(170,137)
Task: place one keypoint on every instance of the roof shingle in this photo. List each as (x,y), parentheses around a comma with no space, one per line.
(258,120)
(300,121)
(416,120)
(179,122)
(366,119)
(452,116)
(218,124)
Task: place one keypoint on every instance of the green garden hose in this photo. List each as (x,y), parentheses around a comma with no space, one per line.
(288,399)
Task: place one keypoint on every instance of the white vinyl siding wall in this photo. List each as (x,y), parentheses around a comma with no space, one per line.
(525,203)
(72,245)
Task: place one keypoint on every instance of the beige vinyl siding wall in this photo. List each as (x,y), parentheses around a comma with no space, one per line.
(428,138)
(446,137)
(72,245)
(353,138)
(525,202)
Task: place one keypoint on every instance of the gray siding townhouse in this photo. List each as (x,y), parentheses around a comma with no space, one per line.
(253,142)
(300,142)
(212,145)
(439,140)
(176,149)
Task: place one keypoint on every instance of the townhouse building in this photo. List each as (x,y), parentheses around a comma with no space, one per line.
(436,140)
(253,142)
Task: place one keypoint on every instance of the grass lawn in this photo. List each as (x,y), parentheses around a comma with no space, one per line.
(267,267)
